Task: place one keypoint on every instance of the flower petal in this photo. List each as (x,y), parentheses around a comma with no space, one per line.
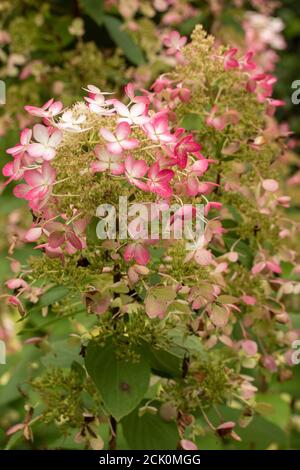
(41,134)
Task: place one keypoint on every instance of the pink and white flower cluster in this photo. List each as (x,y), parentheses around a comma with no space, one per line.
(258,82)
(31,157)
(168,150)
(139,146)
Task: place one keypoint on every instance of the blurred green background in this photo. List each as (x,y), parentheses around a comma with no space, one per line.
(56,48)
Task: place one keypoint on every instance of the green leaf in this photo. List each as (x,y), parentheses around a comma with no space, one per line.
(219,316)
(52,295)
(280,410)
(230,20)
(169,362)
(158,299)
(61,31)
(258,435)
(166,363)
(187,26)
(93,8)
(18,371)
(290,386)
(210,441)
(227,299)
(9,204)
(288,271)
(91,232)
(295,319)
(235,213)
(122,384)
(244,251)
(149,432)
(187,342)
(123,40)
(193,122)
(46,322)
(229,223)
(63,354)
(163,293)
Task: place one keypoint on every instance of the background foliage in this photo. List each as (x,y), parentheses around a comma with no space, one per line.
(54,49)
